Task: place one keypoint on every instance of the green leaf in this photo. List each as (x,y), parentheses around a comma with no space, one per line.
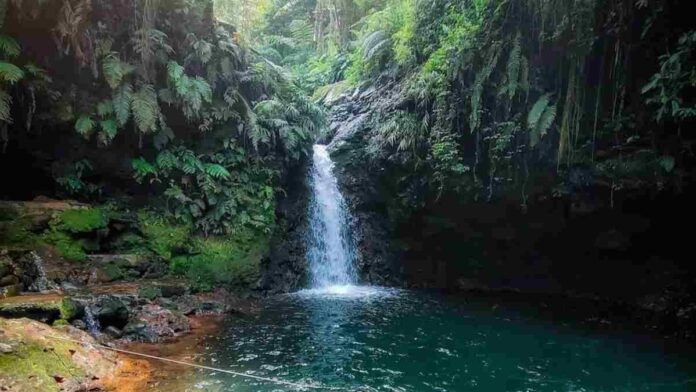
(10,72)
(121,103)
(9,46)
(110,128)
(84,125)
(115,70)
(216,171)
(145,109)
(105,108)
(142,169)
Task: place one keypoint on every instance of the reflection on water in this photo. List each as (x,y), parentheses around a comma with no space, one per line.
(373,339)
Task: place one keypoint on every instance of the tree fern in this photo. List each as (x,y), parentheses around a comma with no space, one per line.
(84,125)
(10,73)
(145,109)
(540,118)
(8,46)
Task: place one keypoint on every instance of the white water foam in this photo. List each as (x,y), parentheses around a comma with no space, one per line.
(330,248)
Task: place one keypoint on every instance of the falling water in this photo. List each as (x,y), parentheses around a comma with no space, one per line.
(92,323)
(41,282)
(330,249)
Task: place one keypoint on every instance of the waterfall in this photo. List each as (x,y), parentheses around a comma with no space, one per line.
(330,249)
(41,282)
(92,323)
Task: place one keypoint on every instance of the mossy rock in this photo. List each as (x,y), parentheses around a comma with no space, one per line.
(10,291)
(66,246)
(150,293)
(163,238)
(82,220)
(71,309)
(39,362)
(61,323)
(44,308)
(232,262)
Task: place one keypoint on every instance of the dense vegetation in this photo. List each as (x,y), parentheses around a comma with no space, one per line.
(154,108)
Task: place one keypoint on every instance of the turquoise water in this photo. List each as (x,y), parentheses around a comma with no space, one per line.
(390,340)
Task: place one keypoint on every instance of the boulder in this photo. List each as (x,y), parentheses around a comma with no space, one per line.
(110,310)
(42,307)
(37,357)
(154,323)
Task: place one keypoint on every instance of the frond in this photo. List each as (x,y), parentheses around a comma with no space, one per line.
(166,160)
(105,108)
(84,125)
(115,70)
(9,46)
(145,109)
(216,171)
(110,128)
(540,118)
(10,73)
(121,100)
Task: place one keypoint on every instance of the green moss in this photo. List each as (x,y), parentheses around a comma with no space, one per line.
(163,238)
(150,292)
(32,365)
(15,231)
(113,271)
(229,261)
(61,323)
(66,246)
(82,220)
(70,309)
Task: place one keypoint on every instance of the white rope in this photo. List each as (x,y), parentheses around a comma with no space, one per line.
(260,378)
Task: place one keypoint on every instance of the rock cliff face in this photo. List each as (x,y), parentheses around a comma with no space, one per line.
(352,119)
(582,241)
(285,269)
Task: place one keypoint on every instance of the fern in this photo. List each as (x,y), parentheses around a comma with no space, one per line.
(110,128)
(374,44)
(84,125)
(513,68)
(216,171)
(142,169)
(5,106)
(301,31)
(166,160)
(540,118)
(105,108)
(121,101)
(9,46)
(115,70)
(10,73)
(145,109)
